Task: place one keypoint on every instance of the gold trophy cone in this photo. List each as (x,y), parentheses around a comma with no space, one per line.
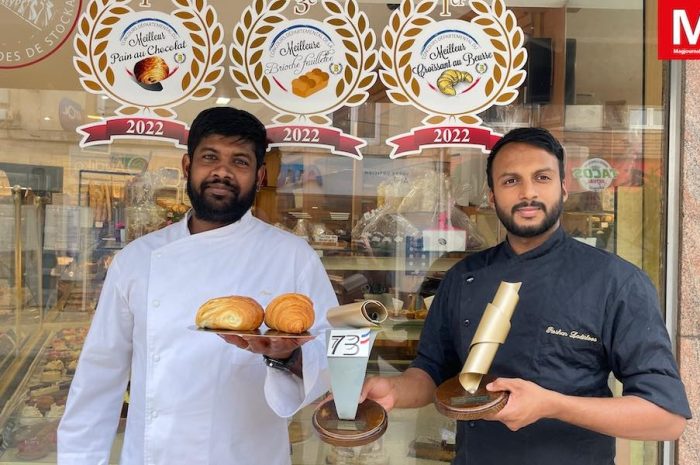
(465,397)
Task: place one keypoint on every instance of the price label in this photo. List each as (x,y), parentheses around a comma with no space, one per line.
(349,343)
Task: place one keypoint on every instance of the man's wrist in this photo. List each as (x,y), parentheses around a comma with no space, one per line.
(284,364)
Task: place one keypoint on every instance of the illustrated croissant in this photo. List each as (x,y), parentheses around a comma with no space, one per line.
(151,70)
(290,313)
(231,312)
(449,78)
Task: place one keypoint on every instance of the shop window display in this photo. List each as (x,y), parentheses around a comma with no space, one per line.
(384,229)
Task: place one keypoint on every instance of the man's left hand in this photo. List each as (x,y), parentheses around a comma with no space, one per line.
(279,348)
(526,404)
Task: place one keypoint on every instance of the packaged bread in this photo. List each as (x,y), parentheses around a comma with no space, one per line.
(290,313)
(233,312)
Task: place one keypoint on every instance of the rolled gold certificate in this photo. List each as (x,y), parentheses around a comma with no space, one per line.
(358,314)
(491,333)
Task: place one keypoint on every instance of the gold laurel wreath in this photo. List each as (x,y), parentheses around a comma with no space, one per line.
(260,19)
(205,32)
(510,57)
(399,36)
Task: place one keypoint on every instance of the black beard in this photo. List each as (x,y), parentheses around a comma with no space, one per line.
(226,214)
(550,218)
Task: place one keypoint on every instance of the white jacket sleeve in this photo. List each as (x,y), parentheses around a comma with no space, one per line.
(89,424)
(286,394)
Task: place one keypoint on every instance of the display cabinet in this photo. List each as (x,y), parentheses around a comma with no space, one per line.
(382,231)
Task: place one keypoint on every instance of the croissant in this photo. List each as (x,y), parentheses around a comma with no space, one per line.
(151,70)
(290,313)
(451,77)
(231,312)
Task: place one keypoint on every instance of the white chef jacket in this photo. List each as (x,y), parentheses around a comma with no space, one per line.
(195,399)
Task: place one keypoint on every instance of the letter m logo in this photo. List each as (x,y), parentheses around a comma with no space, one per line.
(679,29)
(682,27)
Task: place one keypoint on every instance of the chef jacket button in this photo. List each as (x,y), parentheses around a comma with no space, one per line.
(156,358)
(470,279)
(472,424)
(156,303)
(467,322)
(158,254)
(154,414)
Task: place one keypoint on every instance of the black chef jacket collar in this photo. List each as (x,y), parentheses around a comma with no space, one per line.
(553,241)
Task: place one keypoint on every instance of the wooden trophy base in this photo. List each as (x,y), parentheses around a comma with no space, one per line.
(453,401)
(369,424)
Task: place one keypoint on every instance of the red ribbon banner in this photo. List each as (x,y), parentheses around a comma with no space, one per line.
(441,136)
(316,136)
(106,131)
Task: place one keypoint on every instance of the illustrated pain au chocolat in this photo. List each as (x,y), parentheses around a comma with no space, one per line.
(150,71)
(289,313)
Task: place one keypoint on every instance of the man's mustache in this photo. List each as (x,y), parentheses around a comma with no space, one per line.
(533,203)
(221,182)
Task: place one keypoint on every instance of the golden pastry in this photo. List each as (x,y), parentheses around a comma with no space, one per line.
(310,83)
(290,313)
(232,312)
(450,78)
(151,70)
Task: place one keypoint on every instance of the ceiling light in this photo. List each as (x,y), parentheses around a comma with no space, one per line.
(95,117)
(47,118)
(222,100)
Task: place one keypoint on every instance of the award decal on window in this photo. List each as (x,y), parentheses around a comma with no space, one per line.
(147,61)
(34,30)
(465,397)
(341,421)
(452,70)
(304,69)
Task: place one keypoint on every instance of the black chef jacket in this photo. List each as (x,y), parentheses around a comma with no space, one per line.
(583,313)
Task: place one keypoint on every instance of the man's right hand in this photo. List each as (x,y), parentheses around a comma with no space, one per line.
(412,388)
(380,390)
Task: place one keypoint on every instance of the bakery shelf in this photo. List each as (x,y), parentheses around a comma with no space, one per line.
(16,375)
(35,392)
(363,263)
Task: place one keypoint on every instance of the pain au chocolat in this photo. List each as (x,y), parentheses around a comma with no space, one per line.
(232,312)
(151,70)
(290,313)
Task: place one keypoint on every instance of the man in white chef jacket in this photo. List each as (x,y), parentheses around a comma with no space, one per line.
(194,398)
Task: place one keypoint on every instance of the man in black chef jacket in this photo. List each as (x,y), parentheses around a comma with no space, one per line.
(583,313)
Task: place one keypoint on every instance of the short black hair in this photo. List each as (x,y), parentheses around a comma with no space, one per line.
(228,122)
(538,137)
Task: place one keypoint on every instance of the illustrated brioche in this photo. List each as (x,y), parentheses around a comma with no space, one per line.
(290,313)
(232,312)
(151,70)
(310,83)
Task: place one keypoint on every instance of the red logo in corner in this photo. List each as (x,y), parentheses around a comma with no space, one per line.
(679,30)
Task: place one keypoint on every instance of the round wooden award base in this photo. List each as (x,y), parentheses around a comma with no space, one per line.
(369,424)
(453,401)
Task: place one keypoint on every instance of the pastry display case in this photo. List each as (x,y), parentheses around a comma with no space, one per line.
(384,230)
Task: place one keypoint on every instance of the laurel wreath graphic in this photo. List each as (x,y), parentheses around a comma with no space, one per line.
(497,23)
(246,52)
(97,76)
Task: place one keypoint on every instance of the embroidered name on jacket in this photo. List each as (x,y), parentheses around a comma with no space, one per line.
(571,334)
